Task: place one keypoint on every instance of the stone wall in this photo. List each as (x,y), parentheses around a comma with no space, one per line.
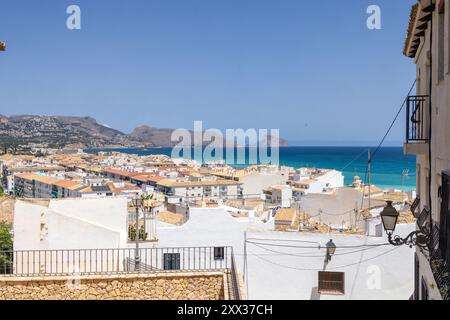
(159,286)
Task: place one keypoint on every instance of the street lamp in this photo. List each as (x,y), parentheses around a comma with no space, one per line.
(420,237)
(389,217)
(146,211)
(136,203)
(331,249)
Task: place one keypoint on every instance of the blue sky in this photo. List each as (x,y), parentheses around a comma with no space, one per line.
(310,68)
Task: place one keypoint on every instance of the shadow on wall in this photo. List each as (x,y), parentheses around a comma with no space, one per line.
(315,295)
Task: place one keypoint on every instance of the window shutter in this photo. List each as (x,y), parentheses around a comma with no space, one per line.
(331,283)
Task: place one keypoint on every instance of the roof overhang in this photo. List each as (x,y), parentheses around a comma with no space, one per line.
(419,19)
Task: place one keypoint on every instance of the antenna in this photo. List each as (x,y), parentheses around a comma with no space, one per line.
(405,174)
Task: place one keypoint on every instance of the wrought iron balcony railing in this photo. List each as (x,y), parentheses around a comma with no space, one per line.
(417,116)
(112,261)
(74,262)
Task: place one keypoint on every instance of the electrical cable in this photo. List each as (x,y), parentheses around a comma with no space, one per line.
(333,268)
(320,247)
(312,256)
(393,122)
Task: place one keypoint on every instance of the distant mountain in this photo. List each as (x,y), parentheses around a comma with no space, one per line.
(58,131)
(80,132)
(153,137)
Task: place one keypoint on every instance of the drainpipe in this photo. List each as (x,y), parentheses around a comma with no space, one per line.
(430,110)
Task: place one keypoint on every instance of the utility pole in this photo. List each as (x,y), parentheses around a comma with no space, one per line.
(245,262)
(136,255)
(405,174)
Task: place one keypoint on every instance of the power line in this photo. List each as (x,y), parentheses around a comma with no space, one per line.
(337,214)
(319,246)
(312,256)
(282,240)
(348,164)
(384,138)
(334,268)
(395,119)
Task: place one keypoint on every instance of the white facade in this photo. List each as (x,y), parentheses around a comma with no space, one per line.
(331,179)
(305,182)
(255,183)
(279,195)
(285,274)
(71,224)
(432,152)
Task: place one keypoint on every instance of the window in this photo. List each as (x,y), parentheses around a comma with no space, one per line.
(332,283)
(171,261)
(219,253)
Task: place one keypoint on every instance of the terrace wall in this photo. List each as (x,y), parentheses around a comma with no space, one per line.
(156,286)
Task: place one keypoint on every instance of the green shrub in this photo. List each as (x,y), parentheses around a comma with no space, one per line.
(6,248)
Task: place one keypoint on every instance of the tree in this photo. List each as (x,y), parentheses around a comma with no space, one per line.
(132,233)
(6,248)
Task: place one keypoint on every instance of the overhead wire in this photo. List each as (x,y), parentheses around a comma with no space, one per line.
(329,268)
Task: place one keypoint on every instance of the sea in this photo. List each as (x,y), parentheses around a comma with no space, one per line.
(390,168)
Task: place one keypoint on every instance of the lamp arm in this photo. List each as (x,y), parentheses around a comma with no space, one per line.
(420,238)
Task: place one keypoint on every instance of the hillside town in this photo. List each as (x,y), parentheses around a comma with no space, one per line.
(82,223)
(179,184)
(79,201)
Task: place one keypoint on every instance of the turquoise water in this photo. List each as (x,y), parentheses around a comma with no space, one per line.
(387,165)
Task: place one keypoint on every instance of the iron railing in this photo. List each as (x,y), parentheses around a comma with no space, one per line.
(235,288)
(441,269)
(416,119)
(70,262)
(114,261)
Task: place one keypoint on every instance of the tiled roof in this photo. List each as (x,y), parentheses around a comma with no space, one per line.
(63,183)
(409,35)
(285,214)
(37,168)
(171,183)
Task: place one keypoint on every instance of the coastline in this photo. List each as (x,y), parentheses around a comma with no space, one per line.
(387,167)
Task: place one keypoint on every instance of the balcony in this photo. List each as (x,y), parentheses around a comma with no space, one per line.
(440,265)
(211,270)
(417,121)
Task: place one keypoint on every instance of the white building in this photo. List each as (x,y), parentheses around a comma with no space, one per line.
(279,195)
(209,187)
(292,273)
(307,180)
(254,180)
(61,230)
(428,134)
(71,224)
